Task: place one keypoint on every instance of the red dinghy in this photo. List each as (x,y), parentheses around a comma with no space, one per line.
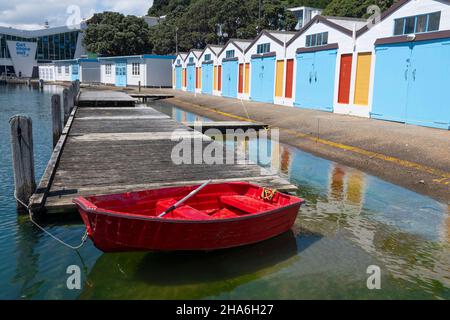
(219,216)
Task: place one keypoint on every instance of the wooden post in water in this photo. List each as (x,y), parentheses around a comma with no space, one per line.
(56,118)
(22,157)
(139,86)
(66,105)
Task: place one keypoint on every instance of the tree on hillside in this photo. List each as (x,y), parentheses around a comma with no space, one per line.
(113,34)
(198,24)
(354,8)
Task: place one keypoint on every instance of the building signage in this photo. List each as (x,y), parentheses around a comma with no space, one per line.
(23,55)
(22,49)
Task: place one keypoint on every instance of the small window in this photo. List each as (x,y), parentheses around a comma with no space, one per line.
(229,54)
(108,69)
(409,24)
(207,57)
(433,21)
(191,60)
(66,70)
(417,24)
(421,23)
(317,39)
(324,38)
(59,70)
(263,48)
(399,25)
(136,69)
(178,61)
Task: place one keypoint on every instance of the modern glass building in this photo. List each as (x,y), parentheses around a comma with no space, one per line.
(60,43)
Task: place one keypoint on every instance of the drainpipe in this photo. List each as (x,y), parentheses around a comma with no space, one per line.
(243,74)
(354,36)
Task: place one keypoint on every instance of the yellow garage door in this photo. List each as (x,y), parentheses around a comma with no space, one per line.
(247,78)
(215,78)
(279,79)
(363,78)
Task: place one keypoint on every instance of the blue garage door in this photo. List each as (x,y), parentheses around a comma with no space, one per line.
(429,89)
(391,82)
(230,78)
(190,86)
(207,78)
(263,79)
(75,72)
(121,74)
(178,77)
(411,83)
(315,80)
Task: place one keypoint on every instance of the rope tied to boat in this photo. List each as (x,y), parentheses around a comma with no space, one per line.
(30,214)
(268,194)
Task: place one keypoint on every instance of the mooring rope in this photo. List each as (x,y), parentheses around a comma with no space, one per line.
(83,238)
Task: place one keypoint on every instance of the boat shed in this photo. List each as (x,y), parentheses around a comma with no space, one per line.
(267,56)
(410,49)
(208,62)
(86,70)
(178,71)
(233,71)
(324,57)
(148,70)
(47,72)
(193,74)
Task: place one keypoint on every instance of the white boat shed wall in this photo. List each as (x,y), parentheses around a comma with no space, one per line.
(213,51)
(340,39)
(191,70)
(278,41)
(178,62)
(366,37)
(239,46)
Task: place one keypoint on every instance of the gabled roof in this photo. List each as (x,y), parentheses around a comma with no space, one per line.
(347,23)
(213,47)
(196,52)
(277,36)
(334,22)
(397,5)
(182,55)
(239,43)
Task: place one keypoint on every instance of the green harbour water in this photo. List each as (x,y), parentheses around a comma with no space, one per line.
(351,220)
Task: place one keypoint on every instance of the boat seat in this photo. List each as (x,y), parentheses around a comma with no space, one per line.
(183,212)
(224,213)
(247,204)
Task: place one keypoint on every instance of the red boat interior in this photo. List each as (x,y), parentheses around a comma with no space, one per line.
(215,201)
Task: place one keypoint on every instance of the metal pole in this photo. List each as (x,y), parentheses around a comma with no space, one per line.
(176,39)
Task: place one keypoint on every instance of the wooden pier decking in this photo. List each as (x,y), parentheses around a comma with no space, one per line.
(105,98)
(108,150)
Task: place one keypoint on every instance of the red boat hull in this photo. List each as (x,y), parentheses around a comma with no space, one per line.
(121,223)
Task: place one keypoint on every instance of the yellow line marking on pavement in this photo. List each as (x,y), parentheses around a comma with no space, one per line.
(404,163)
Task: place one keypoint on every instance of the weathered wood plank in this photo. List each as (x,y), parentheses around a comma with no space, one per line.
(23,157)
(110,150)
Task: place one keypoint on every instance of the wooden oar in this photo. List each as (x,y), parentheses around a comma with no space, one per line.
(191,194)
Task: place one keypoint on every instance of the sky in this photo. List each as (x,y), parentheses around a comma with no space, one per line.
(32,14)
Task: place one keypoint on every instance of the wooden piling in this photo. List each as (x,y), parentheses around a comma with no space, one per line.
(56,118)
(66,105)
(22,157)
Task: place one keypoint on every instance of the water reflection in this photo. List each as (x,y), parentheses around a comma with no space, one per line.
(191,274)
(404,231)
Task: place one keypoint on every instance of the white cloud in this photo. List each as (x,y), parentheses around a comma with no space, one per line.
(32,14)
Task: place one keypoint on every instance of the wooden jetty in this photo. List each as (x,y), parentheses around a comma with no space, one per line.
(105,98)
(222,126)
(144,97)
(106,150)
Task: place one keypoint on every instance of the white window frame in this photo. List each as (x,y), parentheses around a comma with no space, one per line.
(136,69)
